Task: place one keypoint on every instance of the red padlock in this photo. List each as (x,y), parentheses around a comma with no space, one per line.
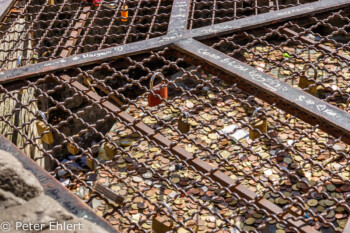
(153,100)
(94,2)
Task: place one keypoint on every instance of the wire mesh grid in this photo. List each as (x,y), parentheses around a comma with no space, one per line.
(241,165)
(311,53)
(204,13)
(39,29)
(293,164)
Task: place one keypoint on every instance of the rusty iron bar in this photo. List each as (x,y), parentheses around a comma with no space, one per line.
(199,164)
(309,41)
(330,118)
(173,37)
(81,59)
(179,15)
(54,189)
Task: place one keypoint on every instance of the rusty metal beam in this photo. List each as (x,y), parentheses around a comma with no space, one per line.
(173,37)
(266,19)
(199,164)
(309,41)
(5,6)
(54,189)
(293,100)
(25,72)
(78,27)
(179,15)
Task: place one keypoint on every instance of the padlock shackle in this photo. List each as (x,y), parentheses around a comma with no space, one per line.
(42,115)
(166,206)
(308,66)
(19,61)
(186,115)
(153,77)
(256,110)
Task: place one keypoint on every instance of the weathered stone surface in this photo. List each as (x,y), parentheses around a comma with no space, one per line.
(7,200)
(47,212)
(24,205)
(15,179)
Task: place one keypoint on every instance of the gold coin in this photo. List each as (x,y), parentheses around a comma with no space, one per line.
(330,187)
(250,221)
(329,202)
(312,202)
(320,209)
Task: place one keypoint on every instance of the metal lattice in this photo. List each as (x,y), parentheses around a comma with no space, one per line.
(262,86)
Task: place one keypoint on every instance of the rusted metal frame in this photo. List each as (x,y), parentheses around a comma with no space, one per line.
(26,72)
(199,164)
(313,110)
(265,19)
(54,189)
(5,7)
(179,14)
(309,41)
(210,31)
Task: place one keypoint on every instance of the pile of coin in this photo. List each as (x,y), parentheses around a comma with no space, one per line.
(291,164)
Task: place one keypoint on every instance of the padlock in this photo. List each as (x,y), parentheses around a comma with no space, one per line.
(124,12)
(47,137)
(51,2)
(72,148)
(110,150)
(162,224)
(20,61)
(305,83)
(182,125)
(162,91)
(258,124)
(94,2)
(90,162)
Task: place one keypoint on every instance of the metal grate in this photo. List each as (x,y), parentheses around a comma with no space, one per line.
(38,30)
(204,13)
(261,154)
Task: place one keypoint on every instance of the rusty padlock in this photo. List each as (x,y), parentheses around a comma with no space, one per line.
(258,124)
(124,12)
(162,224)
(182,125)
(153,100)
(305,83)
